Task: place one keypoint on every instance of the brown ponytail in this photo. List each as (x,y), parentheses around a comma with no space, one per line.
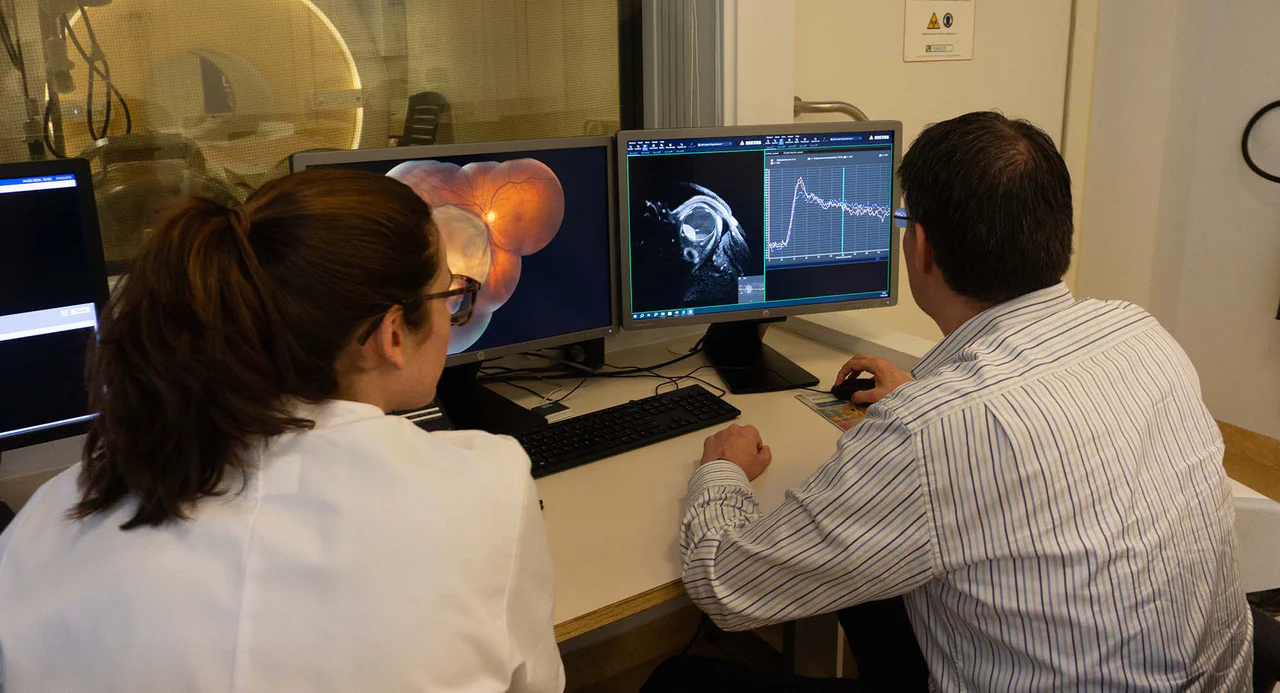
(227,315)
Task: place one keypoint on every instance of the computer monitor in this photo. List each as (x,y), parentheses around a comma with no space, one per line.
(534,222)
(745,225)
(52,289)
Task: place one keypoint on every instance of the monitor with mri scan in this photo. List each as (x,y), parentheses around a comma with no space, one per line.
(739,226)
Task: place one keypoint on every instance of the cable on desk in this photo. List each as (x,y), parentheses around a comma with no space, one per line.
(570,392)
(511,376)
(674,381)
(508,375)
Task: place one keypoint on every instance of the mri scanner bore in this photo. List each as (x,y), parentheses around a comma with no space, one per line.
(491,215)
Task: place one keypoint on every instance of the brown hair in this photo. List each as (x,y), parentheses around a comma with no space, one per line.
(229,314)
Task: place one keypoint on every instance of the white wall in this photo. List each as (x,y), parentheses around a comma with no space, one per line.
(1173,218)
(758,49)
(852,51)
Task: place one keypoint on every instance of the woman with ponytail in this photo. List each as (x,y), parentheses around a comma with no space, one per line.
(246,517)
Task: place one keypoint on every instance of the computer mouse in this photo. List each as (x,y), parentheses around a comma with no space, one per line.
(846,389)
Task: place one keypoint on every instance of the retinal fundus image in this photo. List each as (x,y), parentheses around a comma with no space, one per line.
(490,215)
(695,228)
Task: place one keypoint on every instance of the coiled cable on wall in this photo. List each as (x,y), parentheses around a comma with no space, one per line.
(1244,144)
(1248,158)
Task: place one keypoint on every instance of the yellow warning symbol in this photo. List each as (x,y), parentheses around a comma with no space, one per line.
(933,22)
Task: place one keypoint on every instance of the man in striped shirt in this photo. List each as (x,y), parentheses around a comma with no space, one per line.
(1047,493)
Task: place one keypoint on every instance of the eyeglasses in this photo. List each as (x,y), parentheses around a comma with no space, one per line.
(460,299)
(901,217)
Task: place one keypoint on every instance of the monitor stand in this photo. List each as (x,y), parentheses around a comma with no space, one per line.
(745,364)
(473,406)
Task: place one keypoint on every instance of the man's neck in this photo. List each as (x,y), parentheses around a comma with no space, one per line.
(956,311)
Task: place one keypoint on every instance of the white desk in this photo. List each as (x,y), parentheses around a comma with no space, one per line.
(614,525)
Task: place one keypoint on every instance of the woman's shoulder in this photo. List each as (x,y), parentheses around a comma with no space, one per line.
(496,454)
(392,450)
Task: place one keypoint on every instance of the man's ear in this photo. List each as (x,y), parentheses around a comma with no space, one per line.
(922,249)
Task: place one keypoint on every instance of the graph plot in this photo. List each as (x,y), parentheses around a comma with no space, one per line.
(827,210)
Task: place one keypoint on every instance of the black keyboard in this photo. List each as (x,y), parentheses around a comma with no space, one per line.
(613,431)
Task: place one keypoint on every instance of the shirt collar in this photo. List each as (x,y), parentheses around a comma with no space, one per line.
(335,412)
(995,319)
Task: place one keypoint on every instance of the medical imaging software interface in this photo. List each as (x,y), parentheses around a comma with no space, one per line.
(48,313)
(722,224)
(532,227)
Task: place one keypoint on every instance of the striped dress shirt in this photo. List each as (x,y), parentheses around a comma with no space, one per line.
(1048,494)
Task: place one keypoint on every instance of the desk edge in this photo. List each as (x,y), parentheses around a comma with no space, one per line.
(618,610)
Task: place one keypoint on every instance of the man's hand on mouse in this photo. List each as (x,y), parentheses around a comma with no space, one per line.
(740,445)
(888,377)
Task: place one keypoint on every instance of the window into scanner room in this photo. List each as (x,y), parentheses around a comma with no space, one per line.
(169,98)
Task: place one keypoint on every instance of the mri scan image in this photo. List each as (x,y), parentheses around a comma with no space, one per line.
(696,228)
(704,241)
(709,237)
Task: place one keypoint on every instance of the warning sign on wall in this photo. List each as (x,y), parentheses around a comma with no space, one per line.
(938,30)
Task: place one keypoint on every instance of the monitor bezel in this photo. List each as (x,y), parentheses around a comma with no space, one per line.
(97,267)
(624,221)
(302,161)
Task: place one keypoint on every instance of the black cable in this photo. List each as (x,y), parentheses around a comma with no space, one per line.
(620,372)
(101,56)
(1244,142)
(91,62)
(697,633)
(626,370)
(101,72)
(88,109)
(522,375)
(570,392)
(95,52)
(674,380)
(511,376)
(530,390)
(500,379)
(516,376)
(47,127)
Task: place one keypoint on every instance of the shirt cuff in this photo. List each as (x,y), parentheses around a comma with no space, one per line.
(718,473)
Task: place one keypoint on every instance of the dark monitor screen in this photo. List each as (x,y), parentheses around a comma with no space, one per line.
(532,221)
(52,286)
(750,220)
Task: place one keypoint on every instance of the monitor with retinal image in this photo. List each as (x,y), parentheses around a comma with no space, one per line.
(533,222)
(743,225)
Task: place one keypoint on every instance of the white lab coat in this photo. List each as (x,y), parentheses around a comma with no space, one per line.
(364,555)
